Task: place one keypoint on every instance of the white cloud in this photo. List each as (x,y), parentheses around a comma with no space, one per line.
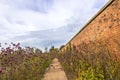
(19,17)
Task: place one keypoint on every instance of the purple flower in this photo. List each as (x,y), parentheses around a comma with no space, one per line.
(5,43)
(14,44)
(1,70)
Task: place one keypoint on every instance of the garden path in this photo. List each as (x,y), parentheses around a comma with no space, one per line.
(55,71)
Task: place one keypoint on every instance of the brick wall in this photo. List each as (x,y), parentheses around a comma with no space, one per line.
(103,26)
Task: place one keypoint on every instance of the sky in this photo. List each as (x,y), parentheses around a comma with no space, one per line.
(44,23)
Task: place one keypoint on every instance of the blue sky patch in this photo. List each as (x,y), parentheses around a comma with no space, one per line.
(44,23)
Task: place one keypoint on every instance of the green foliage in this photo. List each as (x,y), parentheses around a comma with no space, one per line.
(24,66)
(93,61)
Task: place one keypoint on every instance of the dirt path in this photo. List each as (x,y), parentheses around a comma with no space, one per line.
(55,71)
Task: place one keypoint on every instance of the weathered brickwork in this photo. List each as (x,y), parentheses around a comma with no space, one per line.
(104,26)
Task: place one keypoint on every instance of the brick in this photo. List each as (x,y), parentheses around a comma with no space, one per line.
(104,26)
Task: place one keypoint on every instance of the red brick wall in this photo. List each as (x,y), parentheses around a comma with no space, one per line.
(106,26)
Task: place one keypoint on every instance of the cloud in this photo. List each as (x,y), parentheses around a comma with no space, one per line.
(44,22)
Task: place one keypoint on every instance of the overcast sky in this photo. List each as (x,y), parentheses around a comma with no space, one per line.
(43,23)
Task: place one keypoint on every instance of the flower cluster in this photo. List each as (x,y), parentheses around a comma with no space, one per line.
(18,63)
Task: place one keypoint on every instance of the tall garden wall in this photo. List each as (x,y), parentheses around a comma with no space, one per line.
(104,27)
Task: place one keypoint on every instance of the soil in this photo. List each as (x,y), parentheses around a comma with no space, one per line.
(55,71)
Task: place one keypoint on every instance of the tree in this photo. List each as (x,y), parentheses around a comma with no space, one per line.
(51,49)
(46,49)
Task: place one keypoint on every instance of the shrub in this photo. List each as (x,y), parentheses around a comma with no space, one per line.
(92,61)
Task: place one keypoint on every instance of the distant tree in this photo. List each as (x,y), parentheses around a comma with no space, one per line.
(51,49)
(46,49)
(38,51)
